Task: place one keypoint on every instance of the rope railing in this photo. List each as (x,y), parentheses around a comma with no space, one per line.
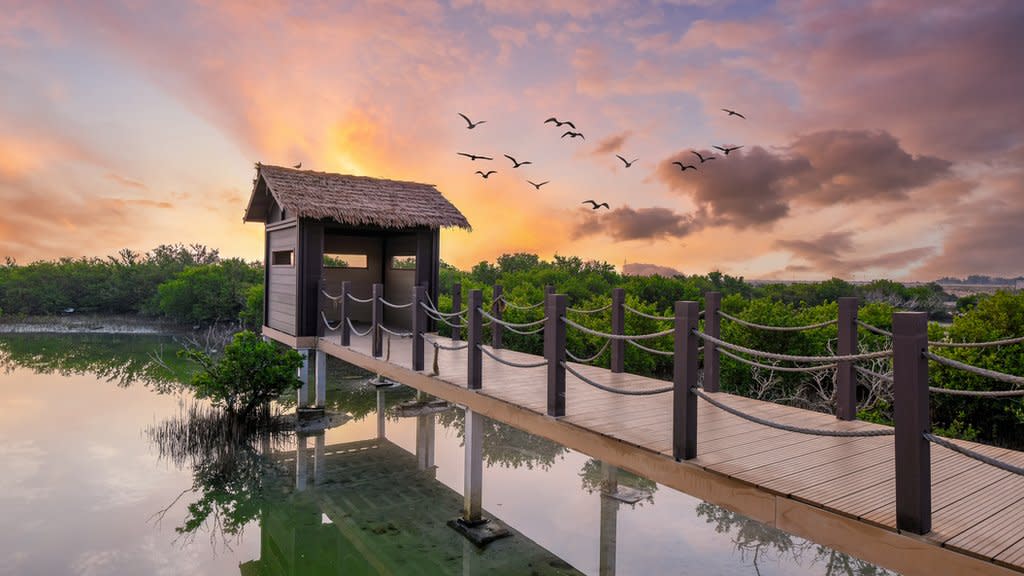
(395,306)
(629,308)
(992,374)
(992,343)
(359,300)
(749,324)
(437,345)
(747,361)
(973,454)
(432,310)
(627,337)
(592,311)
(789,428)
(526,332)
(506,324)
(387,330)
(589,359)
(330,297)
(511,363)
(978,393)
(520,306)
(352,328)
(327,323)
(875,329)
(792,357)
(650,350)
(613,390)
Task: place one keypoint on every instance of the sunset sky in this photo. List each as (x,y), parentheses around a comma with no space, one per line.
(882,139)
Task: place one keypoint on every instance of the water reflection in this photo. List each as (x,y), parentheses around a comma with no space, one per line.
(506,446)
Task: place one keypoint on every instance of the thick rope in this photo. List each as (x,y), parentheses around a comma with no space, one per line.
(357,332)
(521,307)
(594,311)
(510,362)
(501,322)
(1005,342)
(875,329)
(586,330)
(776,328)
(622,391)
(359,300)
(1001,376)
(873,374)
(395,306)
(791,357)
(738,358)
(437,345)
(787,427)
(526,332)
(591,358)
(333,298)
(978,393)
(629,308)
(395,334)
(327,323)
(972,454)
(433,310)
(651,350)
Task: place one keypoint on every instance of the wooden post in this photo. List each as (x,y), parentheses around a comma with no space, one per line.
(377,318)
(321,378)
(474,337)
(913,457)
(846,377)
(321,303)
(554,351)
(303,392)
(684,379)
(712,327)
(381,410)
(497,330)
(456,306)
(318,457)
(618,327)
(472,513)
(419,325)
(346,334)
(301,462)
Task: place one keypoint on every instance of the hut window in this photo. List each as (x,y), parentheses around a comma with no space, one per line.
(283,258)
(403,262)
(345,260)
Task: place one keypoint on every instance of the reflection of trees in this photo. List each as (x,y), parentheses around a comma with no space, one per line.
(593,479)
(121,358)
(506,445)
(760,540)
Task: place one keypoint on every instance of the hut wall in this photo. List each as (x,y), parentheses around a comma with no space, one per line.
(280,295)
(362,279)
(398,282)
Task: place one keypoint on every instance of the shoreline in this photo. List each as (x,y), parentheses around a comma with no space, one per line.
(89,324)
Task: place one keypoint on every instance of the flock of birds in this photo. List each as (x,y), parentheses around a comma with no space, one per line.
(574,133)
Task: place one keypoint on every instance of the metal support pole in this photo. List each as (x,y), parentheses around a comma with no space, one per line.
(609,520)
(346,334)
(425,442)
(846,376)
(554,351)
(377,318)
(473,487)
(301,463)
(318,458)
(712,327)
(419,325)
(497,306)
(456,306)
(913,457)
(618,327)
(684,379)
(474,337)
(321,378)
(303,392)
(381,409)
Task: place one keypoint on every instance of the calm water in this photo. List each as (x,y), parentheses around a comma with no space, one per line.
(99,477)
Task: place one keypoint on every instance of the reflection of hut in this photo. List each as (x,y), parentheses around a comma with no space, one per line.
(364,230)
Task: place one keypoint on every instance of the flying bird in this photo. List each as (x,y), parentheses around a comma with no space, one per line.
(628,163)
(297,166)
(702,158)
(726,149)
(515,163)
(469,123)
(486,174)
(684,167)
(572,134)
(734,113)
(537,186)
(474,156)
(595,204)
(559,124)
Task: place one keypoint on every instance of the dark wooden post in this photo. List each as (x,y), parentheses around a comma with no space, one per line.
(913,457)
(846,377)
(377,317)
(456,306)
(554,351)
(346,334)
(618,327)
(684,379)
(712,327)
(419,325)
(497,330)
(474,337)
(321,303)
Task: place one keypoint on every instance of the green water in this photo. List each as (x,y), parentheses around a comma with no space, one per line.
(103,475)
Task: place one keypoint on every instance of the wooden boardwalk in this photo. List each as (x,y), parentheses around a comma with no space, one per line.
(838,491)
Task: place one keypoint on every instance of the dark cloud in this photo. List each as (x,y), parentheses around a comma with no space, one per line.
(987,240)
(626,223)
(642,269)
(612,144)
(830,254)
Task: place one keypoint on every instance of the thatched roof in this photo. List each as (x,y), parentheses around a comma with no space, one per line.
(353,200)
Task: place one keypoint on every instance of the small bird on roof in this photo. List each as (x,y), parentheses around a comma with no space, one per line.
(572,134)
(733,113)
(559,124)
(469,123)
(486,174)
(684,167)
(537,186)
(702,158)
(297,166)
(726,149)
(596,205)
(628,163)
(474,156)
(515,163)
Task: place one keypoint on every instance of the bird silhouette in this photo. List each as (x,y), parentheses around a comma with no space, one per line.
(572,134)
(702,158)
(474,156)
(559,124)
(486,174)
(684,167)
(734,113)
(297,166)
(726,149)
(596,205)
(469,123)
(628,163)
(537,186)
(516,164)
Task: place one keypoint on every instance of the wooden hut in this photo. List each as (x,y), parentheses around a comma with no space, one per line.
(322,229)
